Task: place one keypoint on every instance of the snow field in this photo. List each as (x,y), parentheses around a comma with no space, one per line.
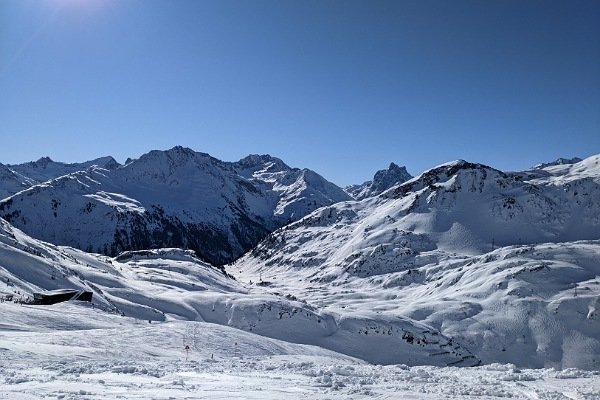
(129,358)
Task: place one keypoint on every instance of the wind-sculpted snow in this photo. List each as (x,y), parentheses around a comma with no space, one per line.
(175,198)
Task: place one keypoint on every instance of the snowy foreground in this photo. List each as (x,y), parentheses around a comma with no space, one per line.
(70,351)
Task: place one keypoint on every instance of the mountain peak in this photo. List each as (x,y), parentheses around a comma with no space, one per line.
(559,161)
(181,150)
(252,160)
(43,161)
(107,162)
(382,181)
(253,163)
(175,156)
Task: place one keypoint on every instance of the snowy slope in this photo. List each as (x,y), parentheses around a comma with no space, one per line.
(71,350)
(504,263)
(175,198)
(128,358)
(162,284)
(382,181)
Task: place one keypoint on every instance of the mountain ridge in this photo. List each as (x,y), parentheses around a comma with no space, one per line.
(172,198)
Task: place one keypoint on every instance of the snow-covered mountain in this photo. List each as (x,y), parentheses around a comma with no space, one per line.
(382,181)
(17,177)
(45,168)
(174,198)
(504,263)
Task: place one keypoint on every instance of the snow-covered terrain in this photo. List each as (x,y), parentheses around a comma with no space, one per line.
(174,198)
(46,169)
(391,296)
(112,350)
(506,264)
(157,284)
(11,182)
(46,352)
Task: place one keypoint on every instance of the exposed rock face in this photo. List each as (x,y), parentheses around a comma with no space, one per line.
(382,181)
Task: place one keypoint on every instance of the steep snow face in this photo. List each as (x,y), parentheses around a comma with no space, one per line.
(174,198)
(483,205)
(461,248)
(45,168)
(382,181)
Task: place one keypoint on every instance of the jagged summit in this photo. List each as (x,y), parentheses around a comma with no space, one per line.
(382,181)
(42,162)
(385,179)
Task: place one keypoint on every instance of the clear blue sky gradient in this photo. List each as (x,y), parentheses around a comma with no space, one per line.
(341,87)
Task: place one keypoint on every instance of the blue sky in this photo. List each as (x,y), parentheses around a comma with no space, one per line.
(341,87)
